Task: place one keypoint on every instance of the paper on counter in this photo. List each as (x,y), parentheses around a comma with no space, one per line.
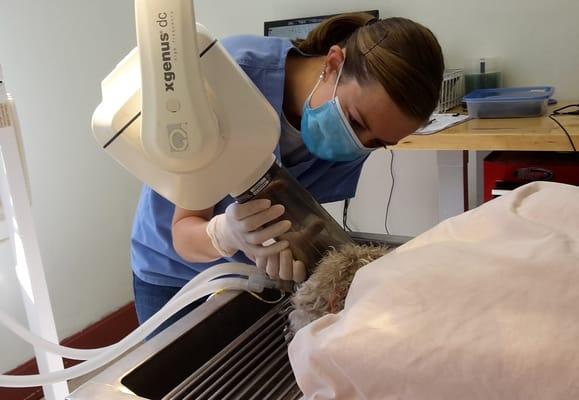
(440,122)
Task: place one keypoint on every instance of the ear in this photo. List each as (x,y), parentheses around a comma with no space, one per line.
(334,60)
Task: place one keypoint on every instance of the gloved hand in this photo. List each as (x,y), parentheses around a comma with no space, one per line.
(242,228)
(282,266)
(288,264)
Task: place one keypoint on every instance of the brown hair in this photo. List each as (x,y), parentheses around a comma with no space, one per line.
(400,54)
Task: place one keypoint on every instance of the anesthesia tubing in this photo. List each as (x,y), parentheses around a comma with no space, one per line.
(228,276)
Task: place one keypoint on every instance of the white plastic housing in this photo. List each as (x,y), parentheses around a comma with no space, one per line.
(222,136)
(172,86)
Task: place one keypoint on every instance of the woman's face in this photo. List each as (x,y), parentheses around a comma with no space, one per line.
(373,115)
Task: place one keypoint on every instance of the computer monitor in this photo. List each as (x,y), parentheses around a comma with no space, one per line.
(298,28)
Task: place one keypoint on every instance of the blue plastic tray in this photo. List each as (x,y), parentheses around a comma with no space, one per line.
(508,102)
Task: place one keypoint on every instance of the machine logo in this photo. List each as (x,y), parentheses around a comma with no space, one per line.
(178,139)
(166,53)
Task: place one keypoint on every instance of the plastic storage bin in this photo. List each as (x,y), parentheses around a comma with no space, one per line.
(508,102)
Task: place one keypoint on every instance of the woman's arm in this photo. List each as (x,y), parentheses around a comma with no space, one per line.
(198,236)
(190,238)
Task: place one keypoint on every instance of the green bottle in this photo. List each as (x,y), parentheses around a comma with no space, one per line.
(484,74)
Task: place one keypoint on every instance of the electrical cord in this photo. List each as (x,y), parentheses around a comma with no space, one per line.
(574,112)
(558,112)
(345,215)
(281,297)
(254,294)
(564,130)
(391,191)
(347,201)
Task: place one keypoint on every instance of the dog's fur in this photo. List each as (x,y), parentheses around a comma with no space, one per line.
(326,289)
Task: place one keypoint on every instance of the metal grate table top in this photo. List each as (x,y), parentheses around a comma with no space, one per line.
(255,366)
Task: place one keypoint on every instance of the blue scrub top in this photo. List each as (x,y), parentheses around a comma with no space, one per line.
(263,59)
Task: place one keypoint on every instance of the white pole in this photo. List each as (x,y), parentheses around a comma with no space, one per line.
(29,270)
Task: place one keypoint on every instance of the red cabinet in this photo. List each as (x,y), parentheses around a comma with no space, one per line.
(507,170)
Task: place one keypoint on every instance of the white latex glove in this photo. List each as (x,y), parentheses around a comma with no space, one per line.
(241,228)
(282,266)
(287,265)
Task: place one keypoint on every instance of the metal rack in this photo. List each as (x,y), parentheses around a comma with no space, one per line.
(452,90)
(254,366)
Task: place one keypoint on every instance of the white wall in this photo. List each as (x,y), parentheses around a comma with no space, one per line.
(54,54)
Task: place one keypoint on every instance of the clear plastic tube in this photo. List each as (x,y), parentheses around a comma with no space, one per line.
(135,337)
(215,272)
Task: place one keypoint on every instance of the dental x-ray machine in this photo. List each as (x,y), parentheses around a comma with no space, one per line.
(183,117)
(180,114)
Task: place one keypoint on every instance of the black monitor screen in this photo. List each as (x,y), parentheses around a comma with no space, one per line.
(298,28)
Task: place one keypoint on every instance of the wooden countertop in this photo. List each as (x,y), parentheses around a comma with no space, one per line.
(529,134)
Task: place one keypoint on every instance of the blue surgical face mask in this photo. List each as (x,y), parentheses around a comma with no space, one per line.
(326,131)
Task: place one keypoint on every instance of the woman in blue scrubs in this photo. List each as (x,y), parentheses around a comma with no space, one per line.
(353,85)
